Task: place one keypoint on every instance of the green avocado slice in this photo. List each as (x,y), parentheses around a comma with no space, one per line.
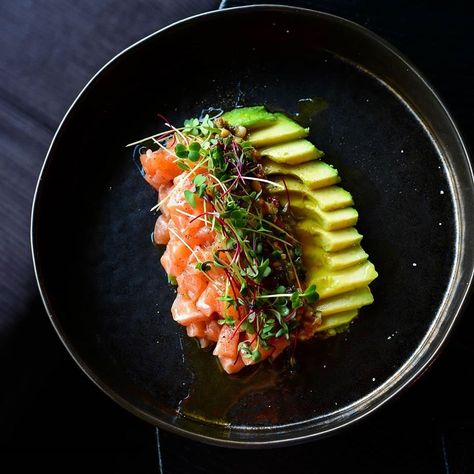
(333,282)
(282,130)
(346,301)
(311,233)
(314,174)
(249,117)
(328,198)
(316,256)
(293,153)
(328,220)
(337,320)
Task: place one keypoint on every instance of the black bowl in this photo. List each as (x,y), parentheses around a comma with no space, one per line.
(398,152)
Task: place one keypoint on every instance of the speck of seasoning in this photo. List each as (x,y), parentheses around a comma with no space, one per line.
(441,192)
(324,366)
(389,337)
(335,403)
(402,151)
(373,379)
(414,264)
(440,223)
(287,31)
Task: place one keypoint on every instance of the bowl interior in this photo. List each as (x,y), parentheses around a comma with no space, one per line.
(101,276)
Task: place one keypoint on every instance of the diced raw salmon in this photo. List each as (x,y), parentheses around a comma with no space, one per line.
(192,282)
(160,167)
(231,365)
(213,329)
(175,258)
(183,226)
(184,311)
(201,236)
(163,193)
(184,215)
(197,329)
(208,303)
(204,342)
(166,261)
(227,343)
(161,233)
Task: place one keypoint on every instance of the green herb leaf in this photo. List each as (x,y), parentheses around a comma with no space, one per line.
(190,197)
(255,355)
(193,155)
(295,300)
(182,165)
(249,353)
(191,126)
(229,300)
(228,320)
(199,180)
(180,151)
(247,327)
(238,217)
(172,280)
(203,266)
(310,294)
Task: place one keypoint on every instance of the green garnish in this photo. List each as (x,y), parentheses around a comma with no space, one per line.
(172,280)
(190,197)
(255,246)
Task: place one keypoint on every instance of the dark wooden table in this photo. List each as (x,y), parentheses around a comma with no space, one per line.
(50,414)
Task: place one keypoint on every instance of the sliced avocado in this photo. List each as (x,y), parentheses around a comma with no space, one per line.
(345,302)
(293,153)
(249,117)
(334,220)
(334,282)
(314,174)
(282,130)
(328,220)
(311,233)
(316,256)
(328,198)
(346,258)
(337,320)
(332,197)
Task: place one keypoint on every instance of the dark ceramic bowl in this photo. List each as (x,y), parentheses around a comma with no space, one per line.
(398,152)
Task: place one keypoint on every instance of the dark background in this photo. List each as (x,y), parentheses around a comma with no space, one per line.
(50,414)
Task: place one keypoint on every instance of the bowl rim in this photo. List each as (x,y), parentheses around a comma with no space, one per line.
(406,374)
